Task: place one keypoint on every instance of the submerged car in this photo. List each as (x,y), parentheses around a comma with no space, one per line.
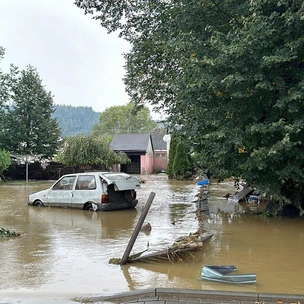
(97,191)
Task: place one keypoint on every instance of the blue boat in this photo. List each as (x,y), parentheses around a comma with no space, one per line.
(219,274)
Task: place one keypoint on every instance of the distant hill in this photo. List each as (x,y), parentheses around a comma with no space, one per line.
(75,120)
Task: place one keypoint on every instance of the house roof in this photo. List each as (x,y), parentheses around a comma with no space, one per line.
(130,142)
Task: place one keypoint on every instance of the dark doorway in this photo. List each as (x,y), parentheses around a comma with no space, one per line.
(133,167)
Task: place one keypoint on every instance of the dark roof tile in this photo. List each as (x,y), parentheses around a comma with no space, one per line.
(157,135)
(130,142)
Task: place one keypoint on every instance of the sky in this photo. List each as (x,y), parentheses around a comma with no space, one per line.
(76,59)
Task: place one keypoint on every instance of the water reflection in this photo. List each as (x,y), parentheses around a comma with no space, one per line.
(109,223)
(178,212)
(66,252)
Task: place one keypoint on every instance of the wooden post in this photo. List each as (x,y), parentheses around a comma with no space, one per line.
(26,171)
(137,229)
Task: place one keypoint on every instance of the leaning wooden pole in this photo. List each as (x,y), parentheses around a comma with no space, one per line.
(137,229)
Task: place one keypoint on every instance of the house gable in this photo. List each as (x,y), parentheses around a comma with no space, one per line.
(157,135)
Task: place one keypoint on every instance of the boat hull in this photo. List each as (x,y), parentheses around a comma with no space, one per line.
(219,274)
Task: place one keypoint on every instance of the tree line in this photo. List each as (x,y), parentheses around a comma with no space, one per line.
(75,120)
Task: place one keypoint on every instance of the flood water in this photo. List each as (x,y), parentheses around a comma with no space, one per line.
(63,254)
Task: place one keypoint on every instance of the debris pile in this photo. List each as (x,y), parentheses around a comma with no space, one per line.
(192,241)
(202,196)
(177,251)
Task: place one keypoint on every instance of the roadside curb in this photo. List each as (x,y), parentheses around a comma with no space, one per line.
(170,295)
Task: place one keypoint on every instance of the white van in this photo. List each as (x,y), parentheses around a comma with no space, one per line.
(97,191)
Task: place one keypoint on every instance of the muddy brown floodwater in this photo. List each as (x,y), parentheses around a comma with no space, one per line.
(63,254)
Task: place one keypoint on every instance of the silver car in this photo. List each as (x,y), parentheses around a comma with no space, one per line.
(97,191)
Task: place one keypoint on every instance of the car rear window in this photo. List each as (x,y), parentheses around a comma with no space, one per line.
(117,176)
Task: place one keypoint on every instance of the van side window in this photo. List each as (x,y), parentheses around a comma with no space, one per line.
(86,182)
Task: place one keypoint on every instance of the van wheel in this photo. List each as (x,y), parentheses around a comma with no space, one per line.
(88,207)
(39,204)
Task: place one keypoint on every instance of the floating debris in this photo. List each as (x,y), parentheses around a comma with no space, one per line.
(133,256)
(115,261)
(146,227)
(8,233)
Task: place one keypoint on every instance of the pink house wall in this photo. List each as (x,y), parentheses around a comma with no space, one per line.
(146,163)
(160,161)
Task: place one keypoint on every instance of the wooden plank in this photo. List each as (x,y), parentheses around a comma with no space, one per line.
(236,197)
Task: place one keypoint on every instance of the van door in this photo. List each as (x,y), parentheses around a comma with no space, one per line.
(62,192)
(86,190)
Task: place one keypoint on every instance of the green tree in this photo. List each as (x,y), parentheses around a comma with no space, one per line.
(171,156)
(124,119)
(30,129)
(230,73)
(5,159)
(89,150)
(2,83)
(181,165)
(3,99)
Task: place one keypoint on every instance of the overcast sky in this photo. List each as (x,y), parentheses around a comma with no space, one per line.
(76,59)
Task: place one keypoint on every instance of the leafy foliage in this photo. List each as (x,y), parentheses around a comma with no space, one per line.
(230,72)
(3,98)
(124,120)
(5,160)
(75,120)
(83,150)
